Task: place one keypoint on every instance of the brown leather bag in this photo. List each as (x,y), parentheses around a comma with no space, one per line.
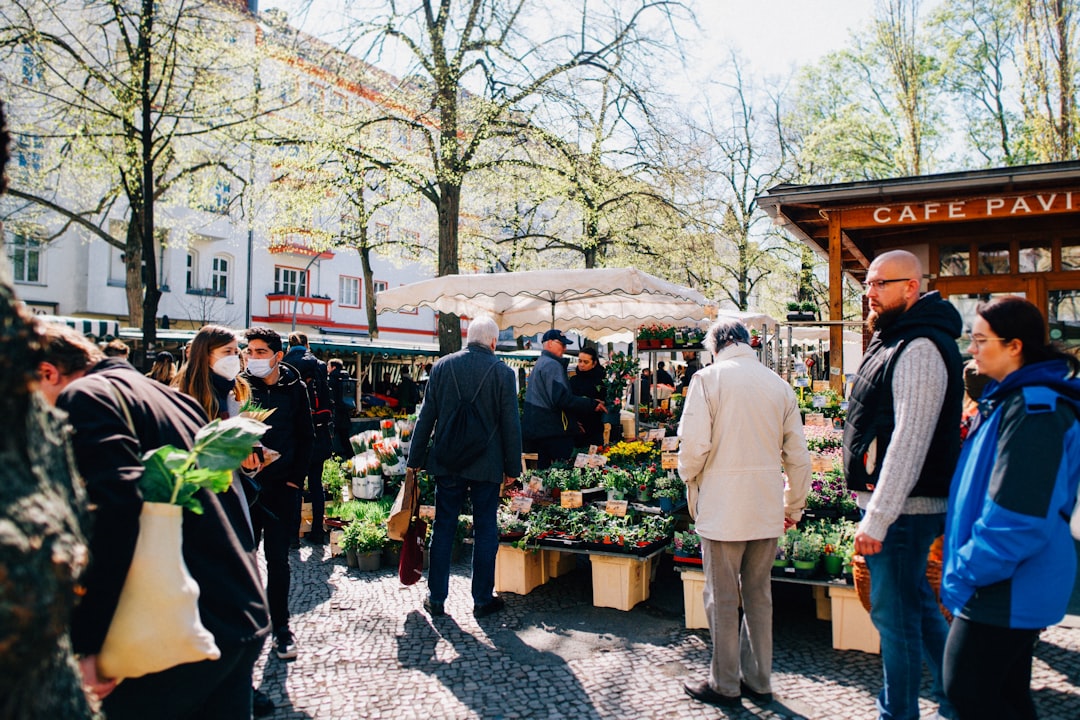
(411,565)
(405,507)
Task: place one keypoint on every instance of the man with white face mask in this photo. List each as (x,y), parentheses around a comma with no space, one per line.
(276,385)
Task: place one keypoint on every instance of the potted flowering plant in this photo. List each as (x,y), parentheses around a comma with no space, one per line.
(621,369)
(618,481)
(667,336)
(649,337)
(805,553)
(687,546)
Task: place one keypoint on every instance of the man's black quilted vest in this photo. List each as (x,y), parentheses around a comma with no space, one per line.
(870,406)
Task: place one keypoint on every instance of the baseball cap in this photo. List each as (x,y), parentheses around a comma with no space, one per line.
(556,335)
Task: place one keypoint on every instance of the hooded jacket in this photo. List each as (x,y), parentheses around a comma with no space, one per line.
(1010,559)
(290,432)
(590,384)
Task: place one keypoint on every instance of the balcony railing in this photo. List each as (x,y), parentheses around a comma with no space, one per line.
(309,310)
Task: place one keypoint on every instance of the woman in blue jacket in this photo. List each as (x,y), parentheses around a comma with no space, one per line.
(1010,561)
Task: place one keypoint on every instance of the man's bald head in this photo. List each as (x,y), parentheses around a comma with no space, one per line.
(899,264)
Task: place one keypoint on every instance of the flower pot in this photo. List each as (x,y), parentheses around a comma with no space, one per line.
(654,344)
(666,504)
(780,563)
(642,344)
(616,495)
(368,487)
(834,564)
(391,555)
(369,561)
(667,342)
(350,557)
(804,568)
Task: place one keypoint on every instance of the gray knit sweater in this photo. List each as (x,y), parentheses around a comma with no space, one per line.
(918,385)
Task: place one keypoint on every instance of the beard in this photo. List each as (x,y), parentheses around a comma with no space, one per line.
(884,319)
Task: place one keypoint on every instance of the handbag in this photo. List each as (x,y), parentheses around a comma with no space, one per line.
(405,506)
(156,624)
(411,564)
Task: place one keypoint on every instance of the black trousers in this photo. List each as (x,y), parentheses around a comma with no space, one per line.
(987,671)
(271,519)
(552,448)
(211,690)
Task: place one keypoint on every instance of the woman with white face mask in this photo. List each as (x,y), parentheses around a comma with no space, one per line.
(211,374)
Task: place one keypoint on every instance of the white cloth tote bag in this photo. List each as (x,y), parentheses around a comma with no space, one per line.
(156,625)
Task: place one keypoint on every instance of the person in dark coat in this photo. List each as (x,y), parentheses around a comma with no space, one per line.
(588,382)
(407,393)
(550,404)
(219,549)
(277,385)
(343,392)
(313,372)
(474,371)
(663,377)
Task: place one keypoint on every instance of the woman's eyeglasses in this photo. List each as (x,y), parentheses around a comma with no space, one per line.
(980,340)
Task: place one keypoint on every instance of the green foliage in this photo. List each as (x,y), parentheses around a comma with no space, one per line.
(174,476)
(361,536)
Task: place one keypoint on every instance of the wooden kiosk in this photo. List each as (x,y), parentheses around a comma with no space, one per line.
(979,234)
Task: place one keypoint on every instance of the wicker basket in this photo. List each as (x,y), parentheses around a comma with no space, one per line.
(862,581)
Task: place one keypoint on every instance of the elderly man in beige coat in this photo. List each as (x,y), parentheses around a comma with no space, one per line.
(740,425)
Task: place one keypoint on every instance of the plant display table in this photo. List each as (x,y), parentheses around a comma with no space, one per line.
(836,601)
(620,580)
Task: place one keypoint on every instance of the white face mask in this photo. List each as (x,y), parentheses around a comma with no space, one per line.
(227,366)
(259,367)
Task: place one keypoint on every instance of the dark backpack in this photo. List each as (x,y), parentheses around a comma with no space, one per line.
(461,436)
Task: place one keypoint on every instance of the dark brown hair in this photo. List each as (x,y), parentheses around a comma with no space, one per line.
(1015,318)
(194,377)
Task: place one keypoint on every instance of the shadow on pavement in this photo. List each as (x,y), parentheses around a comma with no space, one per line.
(319,566)
(484,679)
(274,685)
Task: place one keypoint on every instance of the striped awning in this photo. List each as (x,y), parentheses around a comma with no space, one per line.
(87,326)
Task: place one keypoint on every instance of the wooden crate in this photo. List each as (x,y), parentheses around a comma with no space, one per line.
(824,604)
(306,518)
(851,625)
(619,582)
(694,599)
(518,571)
(557,564)
(335,543)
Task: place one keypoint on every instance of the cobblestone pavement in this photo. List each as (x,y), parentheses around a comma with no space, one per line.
(368,650)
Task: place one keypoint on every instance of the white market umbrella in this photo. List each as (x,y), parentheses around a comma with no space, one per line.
(593,303)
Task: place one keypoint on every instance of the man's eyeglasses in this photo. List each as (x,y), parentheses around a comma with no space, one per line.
(879,284)
(980,340)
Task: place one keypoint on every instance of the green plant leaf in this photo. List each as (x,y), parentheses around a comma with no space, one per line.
(223,444)
(158,481)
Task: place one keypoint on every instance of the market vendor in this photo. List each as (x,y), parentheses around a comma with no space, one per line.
(550,405)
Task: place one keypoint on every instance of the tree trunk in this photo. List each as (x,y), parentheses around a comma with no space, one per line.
(133,274)
(449,207)
(369,289)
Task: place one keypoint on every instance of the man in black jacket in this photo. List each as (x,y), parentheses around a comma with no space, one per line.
(473,374)
(343,392)
(278,386)
(313,372)
(219,549)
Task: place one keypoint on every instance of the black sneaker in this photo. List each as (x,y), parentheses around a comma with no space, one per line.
(703,693)
(285,645)
(489,608)
(261,704)
(761,697)
(435,609)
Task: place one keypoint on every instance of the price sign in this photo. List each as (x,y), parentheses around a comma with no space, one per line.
(802,382)
(656,435)
(570,498)
(669,461)
(819,401)
(616,507)
(427,511)
(581,460)
(815,420)
(597,461)
(535,484)
(593,449)
(521,504)
(670,444)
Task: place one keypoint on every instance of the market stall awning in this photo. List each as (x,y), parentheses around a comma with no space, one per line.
(593,302)
(346,344)
(87,326)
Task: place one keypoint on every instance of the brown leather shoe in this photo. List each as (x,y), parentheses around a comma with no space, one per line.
(703,693)
(761,697)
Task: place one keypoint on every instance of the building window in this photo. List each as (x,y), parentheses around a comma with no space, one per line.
(1035,257)
(349,291)
(192,269)
(1070,254)
(28,154)
(24,251)
(994,259)
(379,285)
(219,276)
(222,196)
(290,281)
(955,260)
(382,234)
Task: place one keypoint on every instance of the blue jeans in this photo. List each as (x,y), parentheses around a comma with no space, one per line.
(450,492)
(906,614)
